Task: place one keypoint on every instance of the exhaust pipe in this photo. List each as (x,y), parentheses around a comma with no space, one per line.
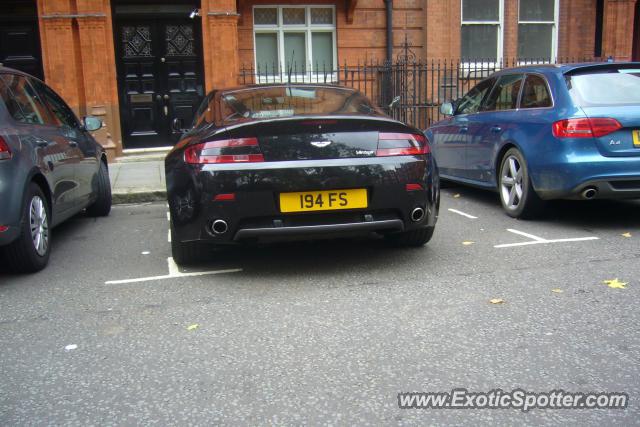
(219,226)
(417,214)
(589,193)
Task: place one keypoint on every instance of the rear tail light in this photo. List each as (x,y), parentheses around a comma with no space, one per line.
(414,187)
(3,228)
(225,197)
(401,144)
(585,128)
(239,150)
(5,152)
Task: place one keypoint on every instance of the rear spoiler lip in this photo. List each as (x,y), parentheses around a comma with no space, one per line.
(581,69)
(253,122)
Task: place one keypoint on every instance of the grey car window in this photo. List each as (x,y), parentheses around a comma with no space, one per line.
(21,101)
(62,114)
(504,95)
(470,103)
(535,93)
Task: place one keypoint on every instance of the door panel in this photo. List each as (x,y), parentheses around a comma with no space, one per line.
(160,78)
(454,136)
(69,135)
(488,129)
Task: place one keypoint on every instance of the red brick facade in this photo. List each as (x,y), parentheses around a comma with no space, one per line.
(78,55)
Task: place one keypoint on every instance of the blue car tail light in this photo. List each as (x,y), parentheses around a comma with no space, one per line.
(585,127)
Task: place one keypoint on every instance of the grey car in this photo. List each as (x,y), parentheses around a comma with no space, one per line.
(51,168)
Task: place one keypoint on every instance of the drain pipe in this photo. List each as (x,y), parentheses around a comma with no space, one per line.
(387,93)
(389,10)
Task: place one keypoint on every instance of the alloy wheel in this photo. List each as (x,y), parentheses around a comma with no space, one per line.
(511,188)
(39,225)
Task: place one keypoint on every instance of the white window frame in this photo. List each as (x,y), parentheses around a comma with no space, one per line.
(280,29)
(554,32)
(500,43)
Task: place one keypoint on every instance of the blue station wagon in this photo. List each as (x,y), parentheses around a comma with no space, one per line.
(545,132)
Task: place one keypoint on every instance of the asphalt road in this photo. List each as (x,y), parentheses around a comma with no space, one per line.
(326,332)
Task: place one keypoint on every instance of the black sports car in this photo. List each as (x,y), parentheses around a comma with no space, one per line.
(272,162)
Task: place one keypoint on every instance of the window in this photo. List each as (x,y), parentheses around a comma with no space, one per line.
(537,27)
(481,32)
(504,95)
(296,41)
(62,114)
(605,88)
(470,103)
(287,101)
(535,93)
(21,100)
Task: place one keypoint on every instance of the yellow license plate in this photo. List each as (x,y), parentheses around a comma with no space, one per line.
(323,200)
(636,138)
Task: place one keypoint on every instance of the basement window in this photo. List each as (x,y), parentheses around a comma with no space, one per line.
(537,31)
(296,43)
(481,31)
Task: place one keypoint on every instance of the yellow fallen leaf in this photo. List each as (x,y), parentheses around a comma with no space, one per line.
(557,291)
(626,234)
(616,284)
(193,327)
(468,242)
(496,301)
(456,196)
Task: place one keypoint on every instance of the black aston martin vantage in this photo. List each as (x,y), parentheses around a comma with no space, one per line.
(291,161)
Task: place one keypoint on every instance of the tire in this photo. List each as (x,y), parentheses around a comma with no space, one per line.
(413,238)
(30,252)
(185,253)
(102,205)
(517,195)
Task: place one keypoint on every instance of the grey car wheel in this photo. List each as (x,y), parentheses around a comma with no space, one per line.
(30,251)
(39,225)
(511,183)
(518,197)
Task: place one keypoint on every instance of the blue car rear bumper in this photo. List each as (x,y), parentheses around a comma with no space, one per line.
(570,173)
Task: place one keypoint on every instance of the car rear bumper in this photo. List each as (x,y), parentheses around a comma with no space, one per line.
(9,235)
(611,177)
(255,212)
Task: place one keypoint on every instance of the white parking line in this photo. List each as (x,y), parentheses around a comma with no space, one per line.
(174,272)
(540,241)
(462,213)
(168,216)
(522,233)
(169,236)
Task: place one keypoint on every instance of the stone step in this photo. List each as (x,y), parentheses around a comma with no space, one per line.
(143,154)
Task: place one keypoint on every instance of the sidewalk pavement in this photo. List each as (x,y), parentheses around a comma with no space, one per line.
(137,181)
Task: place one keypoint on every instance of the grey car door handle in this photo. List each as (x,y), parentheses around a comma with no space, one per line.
(496,129)
(73,143)
(464,129)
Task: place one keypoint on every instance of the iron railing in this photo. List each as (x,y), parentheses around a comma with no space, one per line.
(419,86)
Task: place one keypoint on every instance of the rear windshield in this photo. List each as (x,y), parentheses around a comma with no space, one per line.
(289,101)
(609,87)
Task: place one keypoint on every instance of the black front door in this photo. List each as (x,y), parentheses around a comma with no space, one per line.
(159,78)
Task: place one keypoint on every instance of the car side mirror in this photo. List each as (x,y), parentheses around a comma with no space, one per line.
(177,125)
(91,124)
(394,102)
(447,108)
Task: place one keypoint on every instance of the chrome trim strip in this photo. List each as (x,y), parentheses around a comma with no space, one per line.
(390,224)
